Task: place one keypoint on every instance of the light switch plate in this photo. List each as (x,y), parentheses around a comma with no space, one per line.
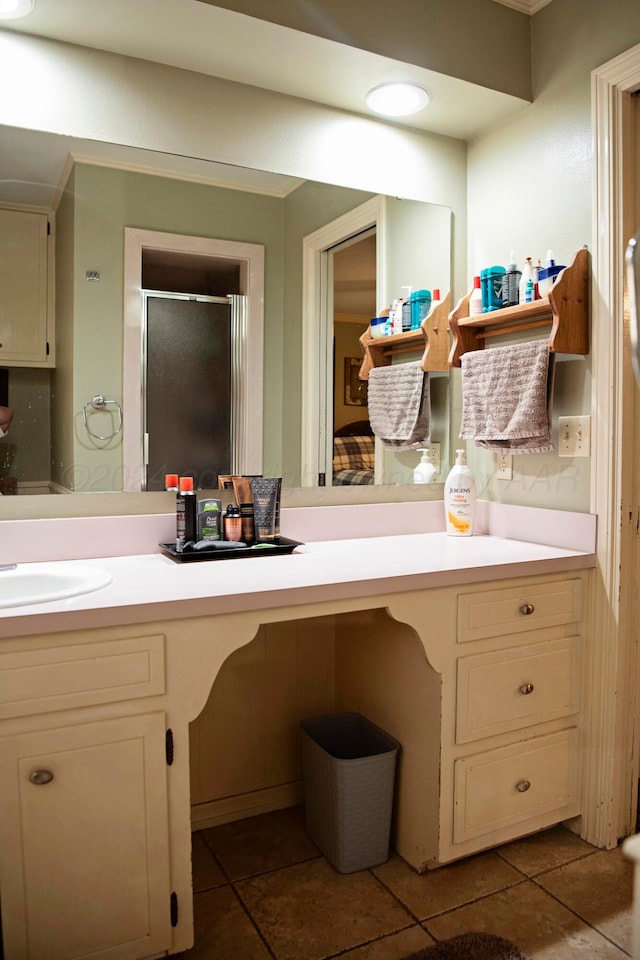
(574,437)
(504,466)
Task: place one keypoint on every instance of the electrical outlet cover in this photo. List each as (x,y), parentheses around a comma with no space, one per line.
(504,466)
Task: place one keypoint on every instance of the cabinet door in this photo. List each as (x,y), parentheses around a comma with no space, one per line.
(23,281)
(84,862)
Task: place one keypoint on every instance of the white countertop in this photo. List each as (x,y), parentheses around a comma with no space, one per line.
(152,586)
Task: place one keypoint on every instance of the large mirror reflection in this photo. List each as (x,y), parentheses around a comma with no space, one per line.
(78,372)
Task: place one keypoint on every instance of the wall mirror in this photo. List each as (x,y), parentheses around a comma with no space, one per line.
(110,188)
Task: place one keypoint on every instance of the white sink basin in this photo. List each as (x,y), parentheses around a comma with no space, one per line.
(40,582)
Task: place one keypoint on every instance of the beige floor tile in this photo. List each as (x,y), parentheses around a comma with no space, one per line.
(205,871)
(545,850)
(429,894)
(310,911)
(395,947)
(223,931)
(533,920)
(599,889)
(268,842)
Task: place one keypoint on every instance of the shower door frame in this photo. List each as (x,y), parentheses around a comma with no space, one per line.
(247,348)
(238,307)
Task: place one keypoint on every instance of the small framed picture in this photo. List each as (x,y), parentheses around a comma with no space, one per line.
(355,390)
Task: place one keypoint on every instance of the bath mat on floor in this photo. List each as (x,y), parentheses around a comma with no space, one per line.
(470,946)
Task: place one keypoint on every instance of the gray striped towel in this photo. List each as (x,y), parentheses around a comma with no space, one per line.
(506,397)
(399,405)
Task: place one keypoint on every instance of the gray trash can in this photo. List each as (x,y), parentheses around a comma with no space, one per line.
(349,771)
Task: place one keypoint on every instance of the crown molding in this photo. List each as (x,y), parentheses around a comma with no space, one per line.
(525,6)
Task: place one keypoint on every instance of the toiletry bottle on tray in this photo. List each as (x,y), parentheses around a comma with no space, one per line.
(186,519)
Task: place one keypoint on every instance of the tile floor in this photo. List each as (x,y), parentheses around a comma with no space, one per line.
(262,890)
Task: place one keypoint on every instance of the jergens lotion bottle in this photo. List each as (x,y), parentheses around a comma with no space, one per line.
(460,498)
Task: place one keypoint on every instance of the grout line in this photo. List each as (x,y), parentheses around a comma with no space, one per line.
(396,897)
(253,922)
(577,915)
(557,866)
(468,903)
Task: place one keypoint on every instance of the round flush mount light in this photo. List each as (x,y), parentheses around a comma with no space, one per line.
(12,9)
(397,99)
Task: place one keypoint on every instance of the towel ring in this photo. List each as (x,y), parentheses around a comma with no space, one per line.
(101,403)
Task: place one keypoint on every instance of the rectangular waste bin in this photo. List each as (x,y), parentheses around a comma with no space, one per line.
(349,772)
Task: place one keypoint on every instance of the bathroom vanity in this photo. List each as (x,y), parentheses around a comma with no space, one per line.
(467,650)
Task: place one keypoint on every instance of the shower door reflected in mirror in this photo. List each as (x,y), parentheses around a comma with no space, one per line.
(188,383)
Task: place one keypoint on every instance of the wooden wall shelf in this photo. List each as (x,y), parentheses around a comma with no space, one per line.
(433,338)
(565,310)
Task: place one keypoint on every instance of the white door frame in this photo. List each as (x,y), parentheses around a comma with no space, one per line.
(315,354)
(611,663)
(247,353)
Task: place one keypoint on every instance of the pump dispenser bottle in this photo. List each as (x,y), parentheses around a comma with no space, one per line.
(425,470)
(460,498)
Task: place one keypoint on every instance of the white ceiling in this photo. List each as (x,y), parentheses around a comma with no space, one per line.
(207,39)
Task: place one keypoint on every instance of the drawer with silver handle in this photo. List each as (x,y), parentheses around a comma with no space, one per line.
(494,613)
(506,786)
(508,689)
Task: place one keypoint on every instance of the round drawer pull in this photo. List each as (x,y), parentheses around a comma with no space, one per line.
(40,777)
(523,785)
(526,688)
(527,609)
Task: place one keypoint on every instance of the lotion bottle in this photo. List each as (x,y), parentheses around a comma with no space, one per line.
(460,498)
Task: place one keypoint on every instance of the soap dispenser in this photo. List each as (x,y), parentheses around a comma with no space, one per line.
(425,471)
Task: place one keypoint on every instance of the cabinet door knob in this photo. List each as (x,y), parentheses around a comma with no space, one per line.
(40,777)
(526,688)
(523,785)
(527,609)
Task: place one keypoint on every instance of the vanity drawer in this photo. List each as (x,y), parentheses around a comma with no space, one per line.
(502,787)
(57,678)
(514,610)
(508,689)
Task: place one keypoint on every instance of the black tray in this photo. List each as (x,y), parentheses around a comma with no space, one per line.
(280,546)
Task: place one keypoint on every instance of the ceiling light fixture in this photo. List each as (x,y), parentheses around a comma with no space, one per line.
(397,99)
(12,9)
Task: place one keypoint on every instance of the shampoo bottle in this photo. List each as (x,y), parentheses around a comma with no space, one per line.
(460,498)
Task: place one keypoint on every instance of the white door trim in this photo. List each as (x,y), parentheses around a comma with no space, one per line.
(314,363)
(612,677)
(250,257)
